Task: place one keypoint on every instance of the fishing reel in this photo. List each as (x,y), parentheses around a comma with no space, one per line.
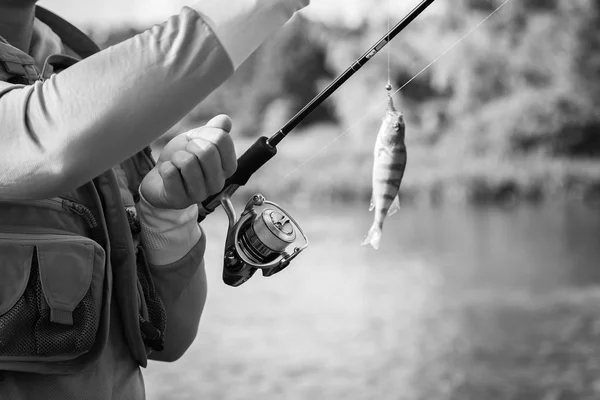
(265,237)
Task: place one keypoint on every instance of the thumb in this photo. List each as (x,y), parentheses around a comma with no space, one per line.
(221,121)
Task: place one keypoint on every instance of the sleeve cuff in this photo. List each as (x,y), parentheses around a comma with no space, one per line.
(243,25)
(167,235)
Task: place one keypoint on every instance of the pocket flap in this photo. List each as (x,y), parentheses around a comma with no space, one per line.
(15,266)
(66,270)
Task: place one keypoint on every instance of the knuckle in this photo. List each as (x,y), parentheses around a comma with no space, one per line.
(190,163)
(181,157)
(165,168)
(195,133)
(222,139)
(212,147)
(201,147)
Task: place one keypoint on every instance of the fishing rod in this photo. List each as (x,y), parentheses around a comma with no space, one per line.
(264,149)
(264,241)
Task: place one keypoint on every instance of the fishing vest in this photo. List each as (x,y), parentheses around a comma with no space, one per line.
(63,260)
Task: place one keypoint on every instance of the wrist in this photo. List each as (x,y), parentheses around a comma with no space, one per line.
(167,235)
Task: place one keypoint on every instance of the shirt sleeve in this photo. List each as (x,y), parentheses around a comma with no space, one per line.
(182,288)
(244,25)
(65,131)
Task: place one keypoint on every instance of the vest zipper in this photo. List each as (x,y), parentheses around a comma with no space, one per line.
(88,216)
(82,211)
(61,204)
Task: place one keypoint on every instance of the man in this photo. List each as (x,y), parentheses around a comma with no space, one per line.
(106,266)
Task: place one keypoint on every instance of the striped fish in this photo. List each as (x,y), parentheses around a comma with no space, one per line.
(388,170)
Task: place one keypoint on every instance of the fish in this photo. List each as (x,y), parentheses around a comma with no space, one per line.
(389,164)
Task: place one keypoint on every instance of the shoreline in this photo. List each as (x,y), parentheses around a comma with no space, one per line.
(434,176)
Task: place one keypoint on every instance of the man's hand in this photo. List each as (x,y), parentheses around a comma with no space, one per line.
(192,166)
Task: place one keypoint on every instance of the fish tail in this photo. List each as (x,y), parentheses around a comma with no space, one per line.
(373,237)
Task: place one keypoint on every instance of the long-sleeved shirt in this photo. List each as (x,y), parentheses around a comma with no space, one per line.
(63,132)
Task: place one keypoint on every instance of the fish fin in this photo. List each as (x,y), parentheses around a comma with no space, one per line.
(372,204)
(373,237)
(395,207)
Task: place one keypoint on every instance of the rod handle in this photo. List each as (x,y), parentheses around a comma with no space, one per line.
(247,164)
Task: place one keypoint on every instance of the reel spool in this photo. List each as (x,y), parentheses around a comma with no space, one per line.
(265,237)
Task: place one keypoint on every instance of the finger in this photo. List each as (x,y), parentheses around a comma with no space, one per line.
(220,122)
(217,131)
(193,178)
(210,160)
(172,181)
(225,148)
(228,157)
(224,144)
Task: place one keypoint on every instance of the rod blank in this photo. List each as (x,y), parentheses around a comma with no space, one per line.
(340,80)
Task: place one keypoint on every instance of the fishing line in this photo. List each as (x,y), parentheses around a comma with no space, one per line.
(378,106)
(389,49)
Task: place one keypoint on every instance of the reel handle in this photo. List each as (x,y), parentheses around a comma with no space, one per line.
(247,164)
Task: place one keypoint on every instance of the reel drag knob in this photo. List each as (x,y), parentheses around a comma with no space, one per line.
(268,236)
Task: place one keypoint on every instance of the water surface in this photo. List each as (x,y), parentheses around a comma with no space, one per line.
(459,303)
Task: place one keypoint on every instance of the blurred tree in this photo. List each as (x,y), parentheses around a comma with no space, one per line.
(289,69)
(536,65)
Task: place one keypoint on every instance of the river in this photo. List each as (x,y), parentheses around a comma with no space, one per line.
(459,303)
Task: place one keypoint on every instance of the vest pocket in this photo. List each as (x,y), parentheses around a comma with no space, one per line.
(53,298)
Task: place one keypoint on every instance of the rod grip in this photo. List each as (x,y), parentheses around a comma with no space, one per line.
(247,164)
(251,161)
